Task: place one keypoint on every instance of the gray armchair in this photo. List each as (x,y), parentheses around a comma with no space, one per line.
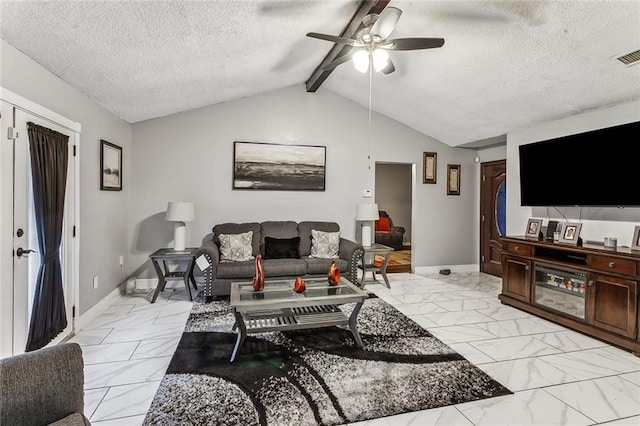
(43,387)
(392,238)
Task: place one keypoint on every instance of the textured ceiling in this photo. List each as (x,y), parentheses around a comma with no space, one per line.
(504,66)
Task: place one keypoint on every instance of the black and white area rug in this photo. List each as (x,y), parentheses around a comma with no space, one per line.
(311,377)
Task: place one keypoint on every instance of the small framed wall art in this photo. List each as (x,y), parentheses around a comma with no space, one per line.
(429,167)
(570,233)
(635,242)
(110,166)
(453,179)
(534,226)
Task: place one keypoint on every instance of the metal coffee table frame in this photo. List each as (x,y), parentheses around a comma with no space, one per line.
(279,308)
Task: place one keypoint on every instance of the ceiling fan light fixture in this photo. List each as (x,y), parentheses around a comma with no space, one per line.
(380,59)
(361,61)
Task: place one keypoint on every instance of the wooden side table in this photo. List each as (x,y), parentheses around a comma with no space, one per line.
(368,262)
(165,273)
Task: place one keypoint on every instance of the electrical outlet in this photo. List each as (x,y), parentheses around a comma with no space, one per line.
(95,282)
(121,260)
(367,193)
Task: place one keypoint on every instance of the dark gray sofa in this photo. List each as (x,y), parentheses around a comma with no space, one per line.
(43,387)
(218,276)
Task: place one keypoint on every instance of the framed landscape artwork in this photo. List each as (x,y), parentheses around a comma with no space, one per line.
(268,166)
(110,166)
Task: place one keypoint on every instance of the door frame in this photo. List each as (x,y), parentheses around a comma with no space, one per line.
(6,213)
(485,200)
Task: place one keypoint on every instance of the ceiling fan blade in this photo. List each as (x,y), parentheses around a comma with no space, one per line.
(412,43)
(336,39)
(338,61)
(389,68)
(385,24)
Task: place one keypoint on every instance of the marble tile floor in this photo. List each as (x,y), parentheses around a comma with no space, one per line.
(558,376)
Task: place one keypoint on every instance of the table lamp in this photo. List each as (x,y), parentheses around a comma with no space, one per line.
(366,213)
(179,212)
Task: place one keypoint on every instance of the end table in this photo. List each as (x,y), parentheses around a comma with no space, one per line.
(165,274)
(368,261)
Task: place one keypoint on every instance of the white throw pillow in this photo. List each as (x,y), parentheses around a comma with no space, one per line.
(236,247)
(324,245)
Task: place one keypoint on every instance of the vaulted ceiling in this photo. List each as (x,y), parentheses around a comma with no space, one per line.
(505,65)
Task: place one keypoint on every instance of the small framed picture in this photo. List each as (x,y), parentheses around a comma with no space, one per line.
(453,179)
(110,166)
(635,243)
(570,233)
(429,167)
(534,226)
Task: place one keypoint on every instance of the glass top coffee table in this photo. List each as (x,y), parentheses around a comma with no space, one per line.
(279,308)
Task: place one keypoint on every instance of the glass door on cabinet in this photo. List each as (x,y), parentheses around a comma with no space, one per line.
(562,290)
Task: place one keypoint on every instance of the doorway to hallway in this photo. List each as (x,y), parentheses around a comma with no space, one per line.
(394,197)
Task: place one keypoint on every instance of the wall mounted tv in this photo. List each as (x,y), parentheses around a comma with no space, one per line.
(596,168)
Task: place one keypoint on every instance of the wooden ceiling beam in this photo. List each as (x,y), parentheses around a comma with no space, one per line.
(366,7)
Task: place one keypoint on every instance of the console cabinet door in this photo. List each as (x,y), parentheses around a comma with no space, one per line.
(612,304)
(516,278)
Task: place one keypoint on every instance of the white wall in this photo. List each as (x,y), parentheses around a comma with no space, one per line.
(103,214)
(189,156)
(598,222)
(393,193)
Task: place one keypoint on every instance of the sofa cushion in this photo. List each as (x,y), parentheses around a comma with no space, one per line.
(235,247)
(244,270)
(304,230)
(317,266)
(282,248)
(239,228)
(324,245)
(284,268)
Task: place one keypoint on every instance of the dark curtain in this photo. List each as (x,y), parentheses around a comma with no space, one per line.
(49,158)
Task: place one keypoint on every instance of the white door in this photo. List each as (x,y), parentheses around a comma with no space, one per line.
(26,259)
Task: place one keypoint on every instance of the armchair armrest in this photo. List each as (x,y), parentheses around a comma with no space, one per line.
(352,252)
(398,229)
(42,386)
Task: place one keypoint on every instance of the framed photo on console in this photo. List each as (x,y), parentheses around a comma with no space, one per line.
(534,226)
(635,242)
(570,233)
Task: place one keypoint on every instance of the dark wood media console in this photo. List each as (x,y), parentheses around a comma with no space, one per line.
(590,288)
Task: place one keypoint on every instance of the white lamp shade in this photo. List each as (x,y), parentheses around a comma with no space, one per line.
(367,212)
(180,211)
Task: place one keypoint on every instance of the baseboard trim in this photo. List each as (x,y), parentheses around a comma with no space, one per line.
(96,310)
(146,283)
(426,270)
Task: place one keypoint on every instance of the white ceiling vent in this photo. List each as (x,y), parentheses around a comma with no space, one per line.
(630,58)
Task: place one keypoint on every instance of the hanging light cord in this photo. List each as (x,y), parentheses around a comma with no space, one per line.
(370,85)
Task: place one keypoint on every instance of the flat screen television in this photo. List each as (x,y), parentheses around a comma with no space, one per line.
(597,168)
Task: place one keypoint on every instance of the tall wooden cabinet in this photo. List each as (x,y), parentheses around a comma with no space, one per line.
(589,288)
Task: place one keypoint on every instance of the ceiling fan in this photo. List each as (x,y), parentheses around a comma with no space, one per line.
(372,42)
